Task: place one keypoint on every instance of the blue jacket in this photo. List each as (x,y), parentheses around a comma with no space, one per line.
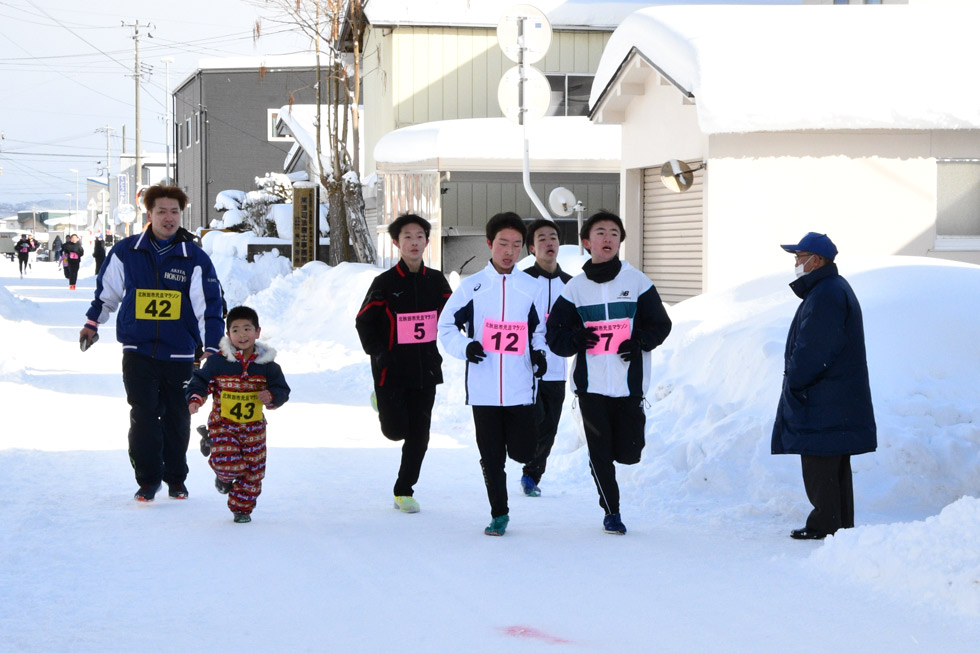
(166,300)
(825,408)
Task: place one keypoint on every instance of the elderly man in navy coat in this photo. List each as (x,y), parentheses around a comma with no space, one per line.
(825,413)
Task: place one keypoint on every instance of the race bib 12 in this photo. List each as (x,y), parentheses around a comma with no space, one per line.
(504,337)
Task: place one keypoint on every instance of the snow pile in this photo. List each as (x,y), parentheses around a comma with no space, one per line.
(228,200)
(923,562)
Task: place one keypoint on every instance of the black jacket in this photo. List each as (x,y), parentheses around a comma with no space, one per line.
(825,408)
(413,362)
(70,248)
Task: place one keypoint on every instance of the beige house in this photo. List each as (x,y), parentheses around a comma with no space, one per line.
(859,122)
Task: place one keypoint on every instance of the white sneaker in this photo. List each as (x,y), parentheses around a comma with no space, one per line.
(407,504)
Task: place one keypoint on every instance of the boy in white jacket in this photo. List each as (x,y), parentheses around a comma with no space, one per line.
(609,318)
(495,321)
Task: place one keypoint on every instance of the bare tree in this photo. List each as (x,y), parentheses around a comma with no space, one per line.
(335,27)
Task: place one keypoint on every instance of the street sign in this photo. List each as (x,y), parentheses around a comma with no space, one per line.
(524,27)
(127,213)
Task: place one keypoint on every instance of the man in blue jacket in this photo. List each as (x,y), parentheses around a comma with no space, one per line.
(825,413)
(169,300)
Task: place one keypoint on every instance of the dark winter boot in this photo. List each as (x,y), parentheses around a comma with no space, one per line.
(147,492)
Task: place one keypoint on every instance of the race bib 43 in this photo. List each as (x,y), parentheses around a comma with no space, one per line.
(241,407)
(504,337)
(157,305)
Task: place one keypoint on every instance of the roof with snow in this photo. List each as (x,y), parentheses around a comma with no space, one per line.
(497,144)
(599,15)
(751,69)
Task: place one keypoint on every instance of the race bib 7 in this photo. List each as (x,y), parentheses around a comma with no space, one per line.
(416,328)
(241,407)
(504,337)
(157,304)
(611,334)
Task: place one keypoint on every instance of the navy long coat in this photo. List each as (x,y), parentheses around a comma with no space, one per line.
(825,408)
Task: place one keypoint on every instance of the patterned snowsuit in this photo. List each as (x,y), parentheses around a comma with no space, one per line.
(236,424)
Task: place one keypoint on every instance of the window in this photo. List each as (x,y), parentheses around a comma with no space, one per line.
(187,133)
(179,132)
(197,127)
(569,94)
(958,204)
(272,117)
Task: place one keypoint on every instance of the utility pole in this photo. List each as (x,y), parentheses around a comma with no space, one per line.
(167,61)
(137,77)
(108,180)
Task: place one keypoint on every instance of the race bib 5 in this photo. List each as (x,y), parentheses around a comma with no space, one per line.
(157,304)
(241,407)
(416,328)
(504,337)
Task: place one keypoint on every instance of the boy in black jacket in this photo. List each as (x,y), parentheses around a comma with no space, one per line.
(397,328)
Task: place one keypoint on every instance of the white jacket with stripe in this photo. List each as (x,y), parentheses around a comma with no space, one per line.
(485,298)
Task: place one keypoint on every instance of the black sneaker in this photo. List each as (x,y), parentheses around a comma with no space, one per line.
(205,440)
(242,517)
(177,490)
(146,492)
(613,524)
(222,486)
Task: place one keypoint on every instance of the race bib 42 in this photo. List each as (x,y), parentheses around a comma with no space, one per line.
(157,305)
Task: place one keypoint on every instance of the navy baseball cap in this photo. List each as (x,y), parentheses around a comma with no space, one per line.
(816,243)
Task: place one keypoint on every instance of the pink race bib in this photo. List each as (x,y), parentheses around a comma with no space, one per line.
(72,255)
(504,337)
(611,334)
(416,328)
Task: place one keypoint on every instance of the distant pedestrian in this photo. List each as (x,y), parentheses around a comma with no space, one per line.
(825,413)
(242,380)
(98,252)
(73,252)
(23,248)
(32,255)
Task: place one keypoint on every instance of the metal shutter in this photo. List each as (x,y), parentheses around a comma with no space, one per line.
(673,231)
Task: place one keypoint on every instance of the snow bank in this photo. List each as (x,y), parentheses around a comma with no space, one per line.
(923,562)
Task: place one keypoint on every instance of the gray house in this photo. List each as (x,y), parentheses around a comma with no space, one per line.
(224,117)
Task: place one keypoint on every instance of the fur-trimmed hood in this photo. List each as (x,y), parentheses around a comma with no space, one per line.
(263,352)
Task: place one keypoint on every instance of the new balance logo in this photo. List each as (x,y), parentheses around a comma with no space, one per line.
(625,293)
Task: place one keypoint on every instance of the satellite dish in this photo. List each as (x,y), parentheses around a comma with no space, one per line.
(537,33)
(678,176)
(561,201)
(537,94)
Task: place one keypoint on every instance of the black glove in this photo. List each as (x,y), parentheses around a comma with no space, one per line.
(475,353)
(629,349)
(585,338)
(539,362)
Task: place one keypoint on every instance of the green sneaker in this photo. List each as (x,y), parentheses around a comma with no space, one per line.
(242,518)
(497,526)
(407,504)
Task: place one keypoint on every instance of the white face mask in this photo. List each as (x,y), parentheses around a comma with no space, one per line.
(799,269)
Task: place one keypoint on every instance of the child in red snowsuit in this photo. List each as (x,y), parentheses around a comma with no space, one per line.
(242,380)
